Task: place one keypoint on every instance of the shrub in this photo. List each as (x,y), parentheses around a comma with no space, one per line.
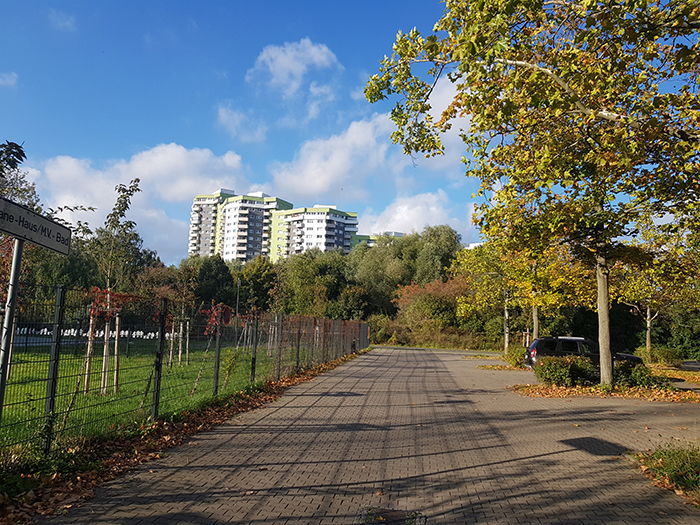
(630,374)
(567,370)
(667,356)
(515,358)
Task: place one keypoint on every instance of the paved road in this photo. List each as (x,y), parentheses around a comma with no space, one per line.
(413,431)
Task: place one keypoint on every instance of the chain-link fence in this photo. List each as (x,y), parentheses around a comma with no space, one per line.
(89,363)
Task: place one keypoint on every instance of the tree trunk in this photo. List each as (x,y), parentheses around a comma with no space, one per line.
(88,353)
(506,329)
(105,356)
(535,322)
(117,329)
(606,364)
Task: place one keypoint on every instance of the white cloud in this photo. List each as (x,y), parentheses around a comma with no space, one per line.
(62,21)
(170,176)
(8,79)
(407,214)
(286,65)
(241,126)
(320,95)
(336,167)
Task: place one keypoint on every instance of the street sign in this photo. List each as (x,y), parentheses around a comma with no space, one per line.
(23,223)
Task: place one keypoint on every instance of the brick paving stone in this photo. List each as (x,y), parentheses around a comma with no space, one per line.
(410,430)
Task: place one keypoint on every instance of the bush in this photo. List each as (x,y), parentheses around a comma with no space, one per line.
(628,374)
(565,371)
(515,358)
(667,356)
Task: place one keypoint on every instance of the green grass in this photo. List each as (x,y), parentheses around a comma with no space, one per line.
(677,467)
(79,414)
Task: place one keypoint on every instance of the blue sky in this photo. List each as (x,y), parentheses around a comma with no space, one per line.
(195,96)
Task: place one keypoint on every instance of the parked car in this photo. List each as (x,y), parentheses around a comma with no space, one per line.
(560,346)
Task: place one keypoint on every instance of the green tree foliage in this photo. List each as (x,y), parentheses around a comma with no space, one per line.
(15,187)
(440,245)
(582,116)
(257,283)
(159,281)
(382,268)
(664,274)
(11,156)
(117,247)
(490,285)
(312,282)
(215,283)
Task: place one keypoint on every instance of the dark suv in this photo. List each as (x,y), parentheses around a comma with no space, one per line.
(559,346)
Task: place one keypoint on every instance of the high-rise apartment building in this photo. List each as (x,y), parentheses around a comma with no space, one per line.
(203,222)
(237,227)
(297,230)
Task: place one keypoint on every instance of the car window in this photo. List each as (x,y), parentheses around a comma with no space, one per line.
(588,348)
(550,345)
(569,347)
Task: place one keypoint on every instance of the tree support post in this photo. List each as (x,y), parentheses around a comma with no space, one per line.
(255,349)
(217,359)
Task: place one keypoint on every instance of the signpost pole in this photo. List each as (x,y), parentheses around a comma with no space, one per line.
(9,319)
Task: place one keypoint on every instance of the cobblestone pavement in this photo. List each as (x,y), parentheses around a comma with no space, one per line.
(411,430)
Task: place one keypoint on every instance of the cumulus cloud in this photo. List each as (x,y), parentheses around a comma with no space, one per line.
(335,167)
(241,126)
(8,79)
(62,21)
(408,214)
(285,66)
(170,176)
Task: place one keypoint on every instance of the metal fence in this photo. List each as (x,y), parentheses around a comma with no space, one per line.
(85,365)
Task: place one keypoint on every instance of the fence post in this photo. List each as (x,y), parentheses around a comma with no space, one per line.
(278,344)
(298,342)
(255,349)
(217,359)
(158,365)
(117,329)
(52,382)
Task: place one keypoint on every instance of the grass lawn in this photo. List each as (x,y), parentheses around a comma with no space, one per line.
(93,412)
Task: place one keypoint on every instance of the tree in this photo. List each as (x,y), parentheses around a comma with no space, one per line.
(440,245)
(381,268)
(11,156)
(582,117)
(257,283)
(309,283)
(117,247)
(14,186)
(662,277)
(215,283)
(490,283)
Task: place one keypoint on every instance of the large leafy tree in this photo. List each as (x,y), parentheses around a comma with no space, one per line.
(309,283)
(440,245)
(582,116)
(215,283)
(664,276)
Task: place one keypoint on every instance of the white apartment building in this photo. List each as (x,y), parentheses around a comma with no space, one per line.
(297,230)
(237,227)
(203,222)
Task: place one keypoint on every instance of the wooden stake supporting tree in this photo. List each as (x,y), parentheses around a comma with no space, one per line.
(106,304)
